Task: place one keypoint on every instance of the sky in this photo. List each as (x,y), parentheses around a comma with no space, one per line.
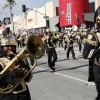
(17,9)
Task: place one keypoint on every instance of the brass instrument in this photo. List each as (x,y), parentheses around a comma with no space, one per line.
(52,42)
(66,38)
(44,38)
(91,39)
(75,30)
(35,49)
(20,38)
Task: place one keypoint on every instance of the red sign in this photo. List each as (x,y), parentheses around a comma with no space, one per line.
(29,20)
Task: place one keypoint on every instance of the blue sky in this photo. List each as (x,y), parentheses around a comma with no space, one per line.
(29,3)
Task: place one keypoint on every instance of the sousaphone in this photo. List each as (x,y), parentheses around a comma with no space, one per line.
(34,49)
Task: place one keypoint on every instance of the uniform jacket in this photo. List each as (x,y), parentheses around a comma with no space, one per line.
(50,45)
(93,54)
(5,79)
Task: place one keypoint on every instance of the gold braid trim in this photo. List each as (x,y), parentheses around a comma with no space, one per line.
(87,41)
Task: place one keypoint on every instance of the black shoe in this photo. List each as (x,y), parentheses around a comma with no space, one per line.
(74,59)
(51,70)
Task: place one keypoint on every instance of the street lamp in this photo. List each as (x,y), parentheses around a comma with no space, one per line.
(35,11)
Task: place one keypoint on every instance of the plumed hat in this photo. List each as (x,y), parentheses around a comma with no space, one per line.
(97,17)
(97,12)
(7,38)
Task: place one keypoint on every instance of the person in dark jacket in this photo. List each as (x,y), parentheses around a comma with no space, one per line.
(91,51)
(21,92)
(51,52)
(70,48)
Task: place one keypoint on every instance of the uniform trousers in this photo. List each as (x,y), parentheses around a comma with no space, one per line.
(80,47)
(52,57)
(97,84)
(65,45)
(72,51)
(61,43)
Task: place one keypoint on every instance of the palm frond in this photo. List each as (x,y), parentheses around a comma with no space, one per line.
(10,3)
(10,0)
(6,6)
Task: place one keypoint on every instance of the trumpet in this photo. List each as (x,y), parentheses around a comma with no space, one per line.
(35,49)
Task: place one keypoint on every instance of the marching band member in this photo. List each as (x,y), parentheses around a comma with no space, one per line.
(21,92)
(19,39)
(79,41)
(44,39)
(91,51)
(51,52)
(61,40)
(65,37)
(70,47)
(70,41)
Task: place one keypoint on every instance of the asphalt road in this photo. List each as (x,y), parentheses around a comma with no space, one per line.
(69,82)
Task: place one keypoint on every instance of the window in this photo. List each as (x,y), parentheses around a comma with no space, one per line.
(79,20)
(68,14)
(68,8)
(69,22)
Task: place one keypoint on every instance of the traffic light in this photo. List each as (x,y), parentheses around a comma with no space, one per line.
(23,8)
(47,23)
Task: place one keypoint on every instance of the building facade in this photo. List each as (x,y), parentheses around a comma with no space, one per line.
(71,12)
(18,22)
(36,18)
(90,16)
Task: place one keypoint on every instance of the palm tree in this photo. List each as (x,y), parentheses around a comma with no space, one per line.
(10,4)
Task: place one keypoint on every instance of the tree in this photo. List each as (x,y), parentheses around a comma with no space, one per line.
(10,4)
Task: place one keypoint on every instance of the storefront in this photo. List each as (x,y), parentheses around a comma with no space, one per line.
(71,12)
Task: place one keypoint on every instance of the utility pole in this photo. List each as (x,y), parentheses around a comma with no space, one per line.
(45,7)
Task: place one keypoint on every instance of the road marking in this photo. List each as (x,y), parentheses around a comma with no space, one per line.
(87,83)
(75,78)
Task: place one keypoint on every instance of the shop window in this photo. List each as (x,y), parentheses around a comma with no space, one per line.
(69,22)
(68,14)
(79,20)
(68,7)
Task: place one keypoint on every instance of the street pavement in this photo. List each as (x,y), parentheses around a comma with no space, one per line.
(68,82)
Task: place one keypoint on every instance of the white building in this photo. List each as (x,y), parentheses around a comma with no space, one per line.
(35,18)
